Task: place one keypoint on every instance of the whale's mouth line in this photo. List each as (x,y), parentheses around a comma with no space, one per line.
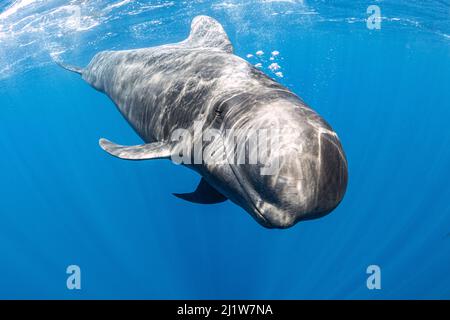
(258,212)
(249,199)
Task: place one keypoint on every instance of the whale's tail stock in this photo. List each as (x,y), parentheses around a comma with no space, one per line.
(67,66)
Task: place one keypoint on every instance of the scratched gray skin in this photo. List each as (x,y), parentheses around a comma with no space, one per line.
(199,84)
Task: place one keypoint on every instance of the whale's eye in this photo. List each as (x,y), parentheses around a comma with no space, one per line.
(219,110)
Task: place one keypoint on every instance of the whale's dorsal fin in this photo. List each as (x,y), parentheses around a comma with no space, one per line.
(204,194)
(156,150)
(207,32)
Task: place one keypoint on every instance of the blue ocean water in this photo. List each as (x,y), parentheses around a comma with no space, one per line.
(64,201)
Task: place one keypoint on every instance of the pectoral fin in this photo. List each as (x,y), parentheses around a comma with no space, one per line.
(156,150)
(204,194)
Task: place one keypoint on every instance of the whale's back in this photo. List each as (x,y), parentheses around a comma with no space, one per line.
(163,88)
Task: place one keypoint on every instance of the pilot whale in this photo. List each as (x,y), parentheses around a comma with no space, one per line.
(199,84)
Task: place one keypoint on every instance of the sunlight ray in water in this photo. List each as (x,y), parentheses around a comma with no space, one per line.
(42,26)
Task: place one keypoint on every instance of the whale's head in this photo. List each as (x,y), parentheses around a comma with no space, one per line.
(301,169)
